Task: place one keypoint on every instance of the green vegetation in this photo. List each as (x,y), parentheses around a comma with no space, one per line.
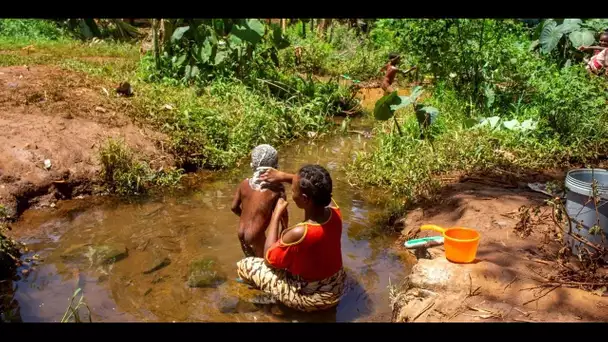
(72,313)
(9,248)
(504,96)
(125,175)
(504,107)
(214,107)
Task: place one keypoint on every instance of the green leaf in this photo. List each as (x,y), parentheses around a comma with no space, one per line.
(206,51)
(179,33)
(534,45)
(581,38)
(490,96)
(220,56)
(426,115)
(187,71)
(415,94)
(235,41)
(512,125)
(491,121)
(194,71)
(181,59)
(550,36)
(382,109)
(252,31)
(468,123)
(278,40)
(570,25)
(529,125)
(403,102)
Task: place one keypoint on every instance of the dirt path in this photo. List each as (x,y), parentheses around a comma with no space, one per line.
(503,284)
(63,116)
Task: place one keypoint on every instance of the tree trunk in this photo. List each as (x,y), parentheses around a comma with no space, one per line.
(155,43)
(166,29)
(312,25)
(283,24)
(303,30)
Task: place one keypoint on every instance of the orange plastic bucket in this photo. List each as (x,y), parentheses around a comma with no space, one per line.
(460,243)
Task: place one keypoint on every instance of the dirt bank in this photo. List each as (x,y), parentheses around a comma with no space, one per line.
(503,283)
(62,116)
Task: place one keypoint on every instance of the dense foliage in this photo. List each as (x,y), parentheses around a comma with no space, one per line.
(507,94)
(504,103)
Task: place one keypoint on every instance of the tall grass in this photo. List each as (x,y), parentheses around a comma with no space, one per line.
(124,174)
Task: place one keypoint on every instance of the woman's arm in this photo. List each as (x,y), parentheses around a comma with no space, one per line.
(274,226)
(276,176)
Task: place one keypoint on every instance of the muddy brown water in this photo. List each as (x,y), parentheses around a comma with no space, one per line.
(187,226)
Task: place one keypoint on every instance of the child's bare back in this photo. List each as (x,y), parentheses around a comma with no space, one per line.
(254,202)
(256,211)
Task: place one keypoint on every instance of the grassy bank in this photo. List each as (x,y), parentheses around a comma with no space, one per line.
(514,110)
(210,124)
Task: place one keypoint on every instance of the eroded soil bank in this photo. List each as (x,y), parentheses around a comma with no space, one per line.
(505,283)
(63,116)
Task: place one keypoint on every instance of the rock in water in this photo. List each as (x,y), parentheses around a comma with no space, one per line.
(96,254)
(160,260)
(109,254)
(235,305)
(75,253)
(205,273)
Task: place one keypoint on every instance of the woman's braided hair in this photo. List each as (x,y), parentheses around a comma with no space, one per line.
(316,184)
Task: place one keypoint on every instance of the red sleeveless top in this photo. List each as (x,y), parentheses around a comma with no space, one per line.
(317,255)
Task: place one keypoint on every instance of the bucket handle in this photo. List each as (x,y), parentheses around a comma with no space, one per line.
(433,227)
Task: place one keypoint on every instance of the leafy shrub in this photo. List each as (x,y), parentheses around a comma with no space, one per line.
(124,175)
(33,29)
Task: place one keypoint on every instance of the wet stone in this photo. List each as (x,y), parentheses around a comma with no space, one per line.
(96,254)
(109,254)
(205,273)
(235,305)
(159,261)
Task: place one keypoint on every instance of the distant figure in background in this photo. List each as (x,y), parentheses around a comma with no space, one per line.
(599,61)
(255,200)
(391,71)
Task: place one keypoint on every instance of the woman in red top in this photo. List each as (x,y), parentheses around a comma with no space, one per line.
(302,267)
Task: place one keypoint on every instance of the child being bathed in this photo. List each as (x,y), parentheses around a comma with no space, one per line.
(254,202)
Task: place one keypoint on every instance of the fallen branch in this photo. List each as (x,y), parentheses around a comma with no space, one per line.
(424,310)
(541,296)
(509,284)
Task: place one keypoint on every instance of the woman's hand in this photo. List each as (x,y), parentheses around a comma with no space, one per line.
(280,208)
(582,48)
(272,176)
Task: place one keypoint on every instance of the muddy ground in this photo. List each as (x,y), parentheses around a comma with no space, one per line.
(503,283)
(63,116)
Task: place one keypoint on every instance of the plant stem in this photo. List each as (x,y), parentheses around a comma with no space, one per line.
(397,125)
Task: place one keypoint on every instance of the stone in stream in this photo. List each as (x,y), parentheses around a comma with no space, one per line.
(205,273)
(159,260)
(235,305)
(108,254)
(97,254)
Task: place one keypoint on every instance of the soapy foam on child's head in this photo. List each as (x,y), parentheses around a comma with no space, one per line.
(264,156)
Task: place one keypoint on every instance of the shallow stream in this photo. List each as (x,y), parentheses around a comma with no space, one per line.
(194,224)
